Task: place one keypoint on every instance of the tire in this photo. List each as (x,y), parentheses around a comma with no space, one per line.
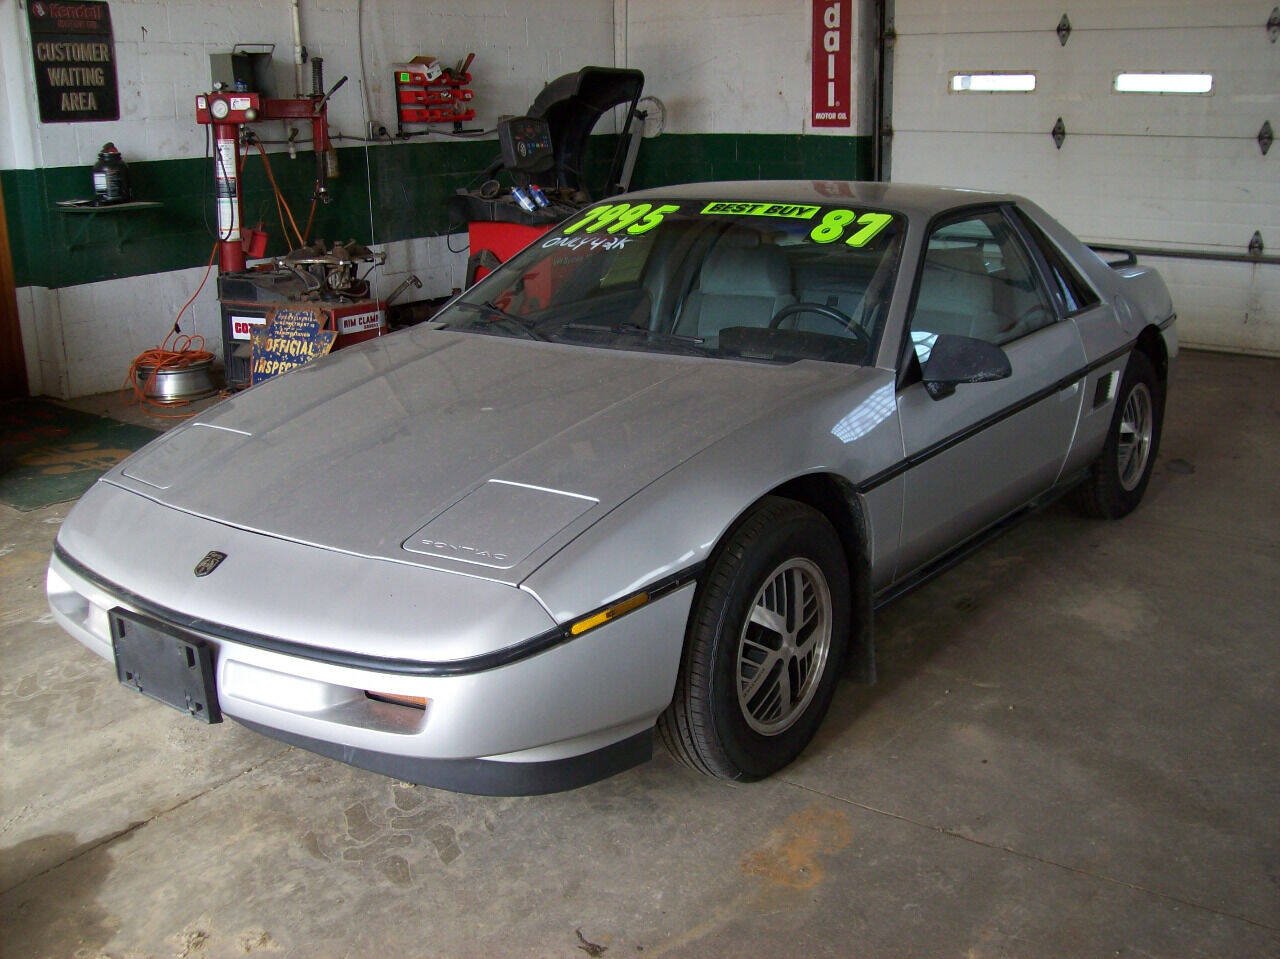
(747,701)
(1118,478)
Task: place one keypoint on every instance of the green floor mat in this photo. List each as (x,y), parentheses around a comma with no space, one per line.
(50,454)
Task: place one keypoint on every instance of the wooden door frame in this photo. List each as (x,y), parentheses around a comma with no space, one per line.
(13,359)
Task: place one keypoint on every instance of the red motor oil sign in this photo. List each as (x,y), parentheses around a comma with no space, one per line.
(832,63)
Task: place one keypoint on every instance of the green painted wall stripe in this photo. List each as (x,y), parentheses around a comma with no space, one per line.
(410,186)
(688,158)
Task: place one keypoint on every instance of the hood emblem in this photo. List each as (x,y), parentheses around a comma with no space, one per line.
(465,551)
(209,563)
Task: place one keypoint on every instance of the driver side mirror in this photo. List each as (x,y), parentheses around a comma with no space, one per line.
(952,359)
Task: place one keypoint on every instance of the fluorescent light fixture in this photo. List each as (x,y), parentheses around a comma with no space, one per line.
(993,82)
(1164,83)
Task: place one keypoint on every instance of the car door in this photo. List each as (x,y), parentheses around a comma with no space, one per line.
(988,448)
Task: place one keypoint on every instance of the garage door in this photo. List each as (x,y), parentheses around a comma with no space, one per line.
(1179,173)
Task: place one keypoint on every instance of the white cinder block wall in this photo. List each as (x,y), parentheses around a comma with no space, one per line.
(736,66)
(80,340)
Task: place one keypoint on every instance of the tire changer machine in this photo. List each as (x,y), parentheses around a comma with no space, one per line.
(311,277)
(544,152)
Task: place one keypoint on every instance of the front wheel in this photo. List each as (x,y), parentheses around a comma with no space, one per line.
(766,638)
(1119,476)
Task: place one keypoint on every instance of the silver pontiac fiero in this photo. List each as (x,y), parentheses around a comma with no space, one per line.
(656,472)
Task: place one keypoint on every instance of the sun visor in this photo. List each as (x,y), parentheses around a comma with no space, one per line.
(499,524)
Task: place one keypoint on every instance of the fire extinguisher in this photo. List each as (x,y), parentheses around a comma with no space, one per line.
(110,177)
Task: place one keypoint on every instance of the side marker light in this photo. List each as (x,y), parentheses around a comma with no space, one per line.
(608,614)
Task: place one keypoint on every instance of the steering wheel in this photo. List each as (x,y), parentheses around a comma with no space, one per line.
(830,312)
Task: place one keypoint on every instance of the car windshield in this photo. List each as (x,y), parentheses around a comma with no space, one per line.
(773,282)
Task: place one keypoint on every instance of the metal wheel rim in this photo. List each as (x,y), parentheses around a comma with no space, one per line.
(1134,446)
(783,647)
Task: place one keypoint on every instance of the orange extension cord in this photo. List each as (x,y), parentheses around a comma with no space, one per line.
(282,205)
(176,352)
(185,350)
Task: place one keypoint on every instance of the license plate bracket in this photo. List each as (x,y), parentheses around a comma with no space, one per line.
(158,661)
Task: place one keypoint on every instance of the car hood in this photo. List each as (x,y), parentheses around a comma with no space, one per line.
(466,452)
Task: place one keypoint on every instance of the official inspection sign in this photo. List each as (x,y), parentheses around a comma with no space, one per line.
(290,339)
(75,60)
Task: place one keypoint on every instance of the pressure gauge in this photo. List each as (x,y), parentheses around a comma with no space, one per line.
(219,109)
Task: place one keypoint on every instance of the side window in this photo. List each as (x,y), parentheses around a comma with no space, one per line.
(1070,287)
(978,281)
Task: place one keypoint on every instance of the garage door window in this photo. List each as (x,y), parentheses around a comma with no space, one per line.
(1190,83)
(978,281)
(993,82)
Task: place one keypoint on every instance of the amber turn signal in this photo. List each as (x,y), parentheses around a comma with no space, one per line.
(609,613)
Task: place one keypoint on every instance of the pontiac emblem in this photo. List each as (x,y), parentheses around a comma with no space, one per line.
(210,562)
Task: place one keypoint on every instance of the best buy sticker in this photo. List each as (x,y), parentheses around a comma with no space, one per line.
(794,211)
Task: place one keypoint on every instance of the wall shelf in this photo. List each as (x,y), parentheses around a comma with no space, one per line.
(86,209)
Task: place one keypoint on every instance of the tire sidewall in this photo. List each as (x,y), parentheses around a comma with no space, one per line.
(812,538)
(1137,371)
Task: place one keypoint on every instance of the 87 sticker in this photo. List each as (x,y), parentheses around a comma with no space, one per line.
(837,223)
(635,218)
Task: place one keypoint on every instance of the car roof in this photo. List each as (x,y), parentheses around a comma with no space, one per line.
(915,200)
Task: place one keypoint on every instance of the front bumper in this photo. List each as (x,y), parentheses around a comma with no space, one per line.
(557,719)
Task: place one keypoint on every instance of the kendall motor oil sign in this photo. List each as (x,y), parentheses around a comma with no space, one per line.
(832,63)
(75,60)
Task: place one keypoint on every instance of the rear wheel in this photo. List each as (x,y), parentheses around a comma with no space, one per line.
(767,634)
(1118,479)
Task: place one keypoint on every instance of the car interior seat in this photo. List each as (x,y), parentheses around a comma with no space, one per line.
(737,286)
(957,296)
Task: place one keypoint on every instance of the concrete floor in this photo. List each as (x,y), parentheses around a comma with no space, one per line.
(1074,751)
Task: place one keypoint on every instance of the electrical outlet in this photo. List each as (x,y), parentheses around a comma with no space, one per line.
(377,130)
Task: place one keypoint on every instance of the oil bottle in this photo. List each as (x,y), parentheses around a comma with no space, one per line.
(110,177)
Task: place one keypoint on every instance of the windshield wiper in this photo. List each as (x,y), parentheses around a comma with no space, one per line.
(634,329)
(498,313)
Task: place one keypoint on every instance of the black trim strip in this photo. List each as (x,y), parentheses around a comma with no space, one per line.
(481,777)
(381,664)
(947,442)
(970,546)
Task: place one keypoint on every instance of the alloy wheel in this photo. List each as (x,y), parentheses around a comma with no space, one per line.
(1134,447)
(783,647)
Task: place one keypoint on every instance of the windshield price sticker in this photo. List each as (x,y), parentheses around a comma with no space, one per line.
(794,211)
(635,218)
(837,223)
